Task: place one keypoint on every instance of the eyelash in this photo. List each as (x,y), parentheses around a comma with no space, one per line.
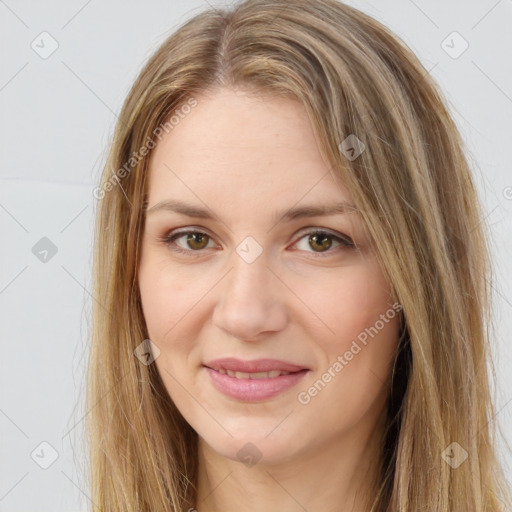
(169,239)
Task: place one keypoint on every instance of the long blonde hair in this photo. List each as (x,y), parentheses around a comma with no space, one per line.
(413,185)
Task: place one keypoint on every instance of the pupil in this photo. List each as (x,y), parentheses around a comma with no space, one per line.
(323,238)
(196,238)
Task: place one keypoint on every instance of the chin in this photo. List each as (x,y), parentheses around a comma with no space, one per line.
(254,447)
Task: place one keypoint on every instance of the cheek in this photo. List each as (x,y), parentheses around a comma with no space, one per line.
(357,363)
(175,309)
(167,303)
(358,309)
(350,302)
(165,296)
(156,300)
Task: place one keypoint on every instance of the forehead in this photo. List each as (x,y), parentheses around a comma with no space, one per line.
(235,148)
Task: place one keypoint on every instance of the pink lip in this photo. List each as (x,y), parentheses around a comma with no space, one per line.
(257,365)
(254,390)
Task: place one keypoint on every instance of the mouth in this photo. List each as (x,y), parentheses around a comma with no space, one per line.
(253,381)
(254,375)
(248,368)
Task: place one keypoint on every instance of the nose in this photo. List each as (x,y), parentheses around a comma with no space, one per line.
(251,300)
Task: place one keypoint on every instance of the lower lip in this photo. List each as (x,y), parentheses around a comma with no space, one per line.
(254,390)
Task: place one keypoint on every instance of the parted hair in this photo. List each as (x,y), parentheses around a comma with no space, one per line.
(414,187)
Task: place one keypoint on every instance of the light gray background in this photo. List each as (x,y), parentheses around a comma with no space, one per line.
(57,115)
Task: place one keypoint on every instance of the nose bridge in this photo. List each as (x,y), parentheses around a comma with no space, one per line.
(249,279)
(249,302)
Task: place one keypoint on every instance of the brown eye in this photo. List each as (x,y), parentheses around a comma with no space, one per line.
(320,241)
(197,240)
(187,241)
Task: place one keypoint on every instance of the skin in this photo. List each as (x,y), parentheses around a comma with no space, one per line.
(245,158)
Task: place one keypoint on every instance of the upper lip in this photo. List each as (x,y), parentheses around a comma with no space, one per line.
(254,366)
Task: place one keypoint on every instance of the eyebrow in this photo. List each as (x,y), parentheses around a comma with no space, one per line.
(174,205)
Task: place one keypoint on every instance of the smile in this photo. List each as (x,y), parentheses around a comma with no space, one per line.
(253,387)
(255,375)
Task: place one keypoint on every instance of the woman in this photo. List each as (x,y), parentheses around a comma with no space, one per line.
(292,278)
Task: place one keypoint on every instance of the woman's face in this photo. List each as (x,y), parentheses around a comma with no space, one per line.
(246,278)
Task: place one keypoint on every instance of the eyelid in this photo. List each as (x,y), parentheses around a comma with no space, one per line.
(311,230)
(168,238)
